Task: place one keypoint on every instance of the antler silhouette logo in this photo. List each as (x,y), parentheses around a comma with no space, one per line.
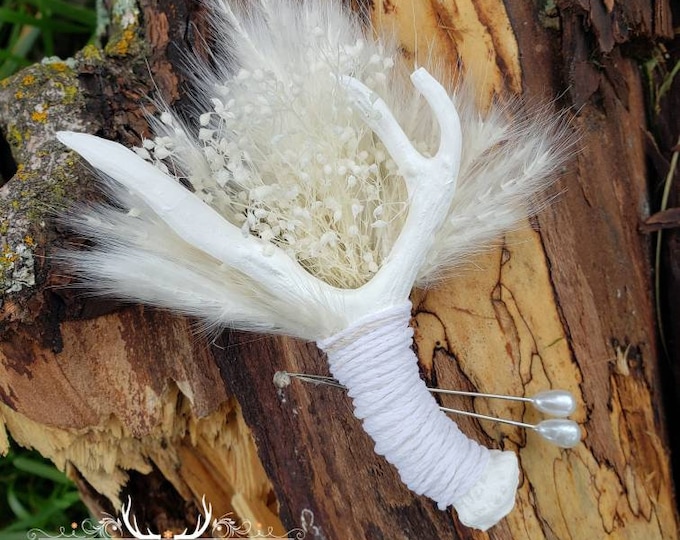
(133,527)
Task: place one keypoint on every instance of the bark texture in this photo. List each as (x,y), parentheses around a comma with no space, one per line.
(132,402)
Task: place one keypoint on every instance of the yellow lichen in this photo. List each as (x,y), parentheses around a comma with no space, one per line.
(121,47)
(58,66)
(39,116)
(21,173)
(28,80)
(19,94)
(29,241)
(8,256)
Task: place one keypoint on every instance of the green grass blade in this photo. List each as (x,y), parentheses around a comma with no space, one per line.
(35,520)
(15,503)
(16,54)
(667,83)
(26,41)
(36,468)
(8,55)
(15,17)
(50,510)
(659,245)
(69,11)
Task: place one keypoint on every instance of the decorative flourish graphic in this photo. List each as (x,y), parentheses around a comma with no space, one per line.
(107,527)
(223,527)
(134,528)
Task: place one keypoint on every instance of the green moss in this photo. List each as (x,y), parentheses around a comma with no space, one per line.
(91,54)
(33,104)
(549,15)
(71,93)
(14,137)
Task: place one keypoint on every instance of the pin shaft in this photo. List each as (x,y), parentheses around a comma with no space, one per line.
(486,417)
(324,379)
(561,432)
(330,381)
(479,394)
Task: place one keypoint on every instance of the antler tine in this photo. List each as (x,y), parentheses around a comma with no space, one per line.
(450,135)
(134,527)
(431,182)
(190,218)
(200,529)
(378,116)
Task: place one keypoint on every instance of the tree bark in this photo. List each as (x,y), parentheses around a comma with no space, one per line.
(132,402)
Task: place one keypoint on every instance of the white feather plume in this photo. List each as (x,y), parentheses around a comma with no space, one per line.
(276,147)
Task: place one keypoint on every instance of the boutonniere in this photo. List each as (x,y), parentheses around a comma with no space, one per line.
(312,185)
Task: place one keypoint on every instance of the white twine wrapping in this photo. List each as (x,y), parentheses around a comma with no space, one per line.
(374,360)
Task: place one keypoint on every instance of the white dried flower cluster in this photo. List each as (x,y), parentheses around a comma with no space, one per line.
(293,163)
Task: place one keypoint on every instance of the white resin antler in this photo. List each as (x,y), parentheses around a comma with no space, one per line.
(430,182)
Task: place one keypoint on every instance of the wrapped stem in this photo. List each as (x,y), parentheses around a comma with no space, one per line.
(374,360)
